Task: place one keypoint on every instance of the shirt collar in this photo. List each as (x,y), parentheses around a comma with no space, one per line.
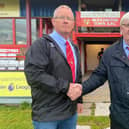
(56,35)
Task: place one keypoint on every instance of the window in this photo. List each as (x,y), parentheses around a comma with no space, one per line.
(21,31)
(21,34)
(6,31)
(33,29)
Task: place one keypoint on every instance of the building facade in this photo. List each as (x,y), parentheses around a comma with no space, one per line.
(23,21)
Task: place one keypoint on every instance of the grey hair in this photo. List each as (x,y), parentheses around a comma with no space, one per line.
(126,16)
(59,7)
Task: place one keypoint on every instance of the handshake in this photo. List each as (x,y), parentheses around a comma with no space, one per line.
(74,91)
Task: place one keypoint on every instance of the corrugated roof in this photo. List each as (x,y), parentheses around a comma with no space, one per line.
(45,8)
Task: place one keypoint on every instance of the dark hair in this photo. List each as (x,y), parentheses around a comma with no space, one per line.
(83,6)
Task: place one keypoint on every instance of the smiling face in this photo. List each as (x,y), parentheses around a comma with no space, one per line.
(63,21)
(124,29)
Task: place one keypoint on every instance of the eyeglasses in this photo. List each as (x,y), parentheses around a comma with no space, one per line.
(126,25)
(64,18)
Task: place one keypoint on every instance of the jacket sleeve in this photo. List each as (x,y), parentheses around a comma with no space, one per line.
(97,78)
(36,66)
(80,99)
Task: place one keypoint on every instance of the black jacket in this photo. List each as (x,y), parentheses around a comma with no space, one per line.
(114,67)
(49,75)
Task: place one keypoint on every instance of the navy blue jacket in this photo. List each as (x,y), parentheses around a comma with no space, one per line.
(114,67)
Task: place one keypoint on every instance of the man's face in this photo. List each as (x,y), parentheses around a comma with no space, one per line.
(63,22)
(124,29)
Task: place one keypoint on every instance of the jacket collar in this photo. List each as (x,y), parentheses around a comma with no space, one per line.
(119,53)
(53,42)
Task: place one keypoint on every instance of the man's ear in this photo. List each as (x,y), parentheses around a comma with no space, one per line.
(53,21)
(121,30)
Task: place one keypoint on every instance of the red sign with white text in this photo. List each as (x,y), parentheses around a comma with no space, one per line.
(98,19)
(100,22)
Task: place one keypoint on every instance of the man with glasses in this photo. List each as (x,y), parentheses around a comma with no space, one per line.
(114,67)
(52,69)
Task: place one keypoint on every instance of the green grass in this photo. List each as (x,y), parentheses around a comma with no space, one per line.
(93,106)
(96,122)
(15,118)
(19,117)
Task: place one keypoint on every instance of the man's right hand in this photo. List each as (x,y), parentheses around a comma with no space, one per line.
(75,91)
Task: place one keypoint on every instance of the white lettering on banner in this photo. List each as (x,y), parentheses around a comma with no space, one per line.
(94,14)
(2,87)
(23,87)
(5,50)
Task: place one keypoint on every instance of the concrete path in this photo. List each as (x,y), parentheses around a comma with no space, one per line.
(102,109)
(101,98)
(86,127)
(83,127)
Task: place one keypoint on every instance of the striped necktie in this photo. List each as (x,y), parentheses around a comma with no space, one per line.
(70,59)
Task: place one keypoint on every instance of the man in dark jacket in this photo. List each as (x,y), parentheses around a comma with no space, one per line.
(52,78)
(100,53)
(114,67)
